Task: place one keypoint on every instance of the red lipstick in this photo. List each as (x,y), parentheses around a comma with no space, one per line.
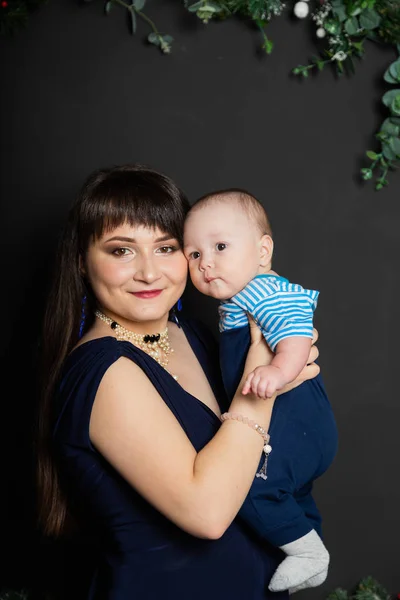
(147,295)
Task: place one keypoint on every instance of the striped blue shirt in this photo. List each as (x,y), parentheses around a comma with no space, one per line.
(280,308)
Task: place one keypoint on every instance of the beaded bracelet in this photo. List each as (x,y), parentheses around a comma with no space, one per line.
(265,435)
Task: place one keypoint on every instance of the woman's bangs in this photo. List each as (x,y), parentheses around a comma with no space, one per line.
(150,212)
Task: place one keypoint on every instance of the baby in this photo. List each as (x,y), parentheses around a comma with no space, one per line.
(228,244)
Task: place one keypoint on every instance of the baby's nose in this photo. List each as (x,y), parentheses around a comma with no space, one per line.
(205,263)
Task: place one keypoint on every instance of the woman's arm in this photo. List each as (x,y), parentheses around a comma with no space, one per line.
(135,431)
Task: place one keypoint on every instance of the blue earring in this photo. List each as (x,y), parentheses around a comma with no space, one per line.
(173,314)
(83,317)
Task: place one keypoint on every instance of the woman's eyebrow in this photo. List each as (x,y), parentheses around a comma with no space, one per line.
(122,238)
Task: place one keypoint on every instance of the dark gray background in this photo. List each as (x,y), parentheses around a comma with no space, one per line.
(78,92)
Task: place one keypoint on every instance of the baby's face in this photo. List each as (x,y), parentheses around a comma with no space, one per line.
(222,246)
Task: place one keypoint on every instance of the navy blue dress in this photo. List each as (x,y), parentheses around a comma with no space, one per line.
(304,442)
(143,556)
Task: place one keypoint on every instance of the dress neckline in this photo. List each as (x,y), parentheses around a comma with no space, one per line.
(191,339)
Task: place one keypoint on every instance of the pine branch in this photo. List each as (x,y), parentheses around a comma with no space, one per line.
(338,594)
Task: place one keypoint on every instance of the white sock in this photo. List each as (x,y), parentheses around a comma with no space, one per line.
(310,583)
(306,558)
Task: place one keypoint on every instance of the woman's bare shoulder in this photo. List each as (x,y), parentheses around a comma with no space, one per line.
(94,333)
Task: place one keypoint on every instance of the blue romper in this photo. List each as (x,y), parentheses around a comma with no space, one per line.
(143,555)
(303,429)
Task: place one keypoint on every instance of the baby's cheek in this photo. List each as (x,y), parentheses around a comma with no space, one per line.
(193,272)
(199,283)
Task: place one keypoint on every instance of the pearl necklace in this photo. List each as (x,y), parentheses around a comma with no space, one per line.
(155,345)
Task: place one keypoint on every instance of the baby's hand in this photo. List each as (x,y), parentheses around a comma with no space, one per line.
(264,381)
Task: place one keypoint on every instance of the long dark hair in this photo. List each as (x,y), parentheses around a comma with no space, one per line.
(133,194)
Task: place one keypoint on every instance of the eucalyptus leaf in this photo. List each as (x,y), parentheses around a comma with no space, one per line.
(388,77)
(107,7)
(395,120)
(389,96)
(394,71)
(210,8)
(139,4)
(168,39)
(154,38)
(351,26)
(340,13)
(390,128)
(195,7)
(388,152)
(370,19)
(395,145)
(395,105)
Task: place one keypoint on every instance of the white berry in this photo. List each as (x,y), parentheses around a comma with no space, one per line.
(321,33)
(301,9)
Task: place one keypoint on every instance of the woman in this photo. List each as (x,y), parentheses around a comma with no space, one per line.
(130,432)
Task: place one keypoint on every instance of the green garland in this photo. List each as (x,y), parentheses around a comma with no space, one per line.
(14,595)
(367,589)
(348,25)
(14,14)
(343,28)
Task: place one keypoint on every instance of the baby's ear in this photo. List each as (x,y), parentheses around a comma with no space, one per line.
(266,250)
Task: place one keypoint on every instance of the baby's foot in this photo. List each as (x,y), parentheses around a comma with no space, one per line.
(310,583)
(307,558)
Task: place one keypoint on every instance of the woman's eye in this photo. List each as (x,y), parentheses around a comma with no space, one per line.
(195,255)
(221,247)
(166,249)
(121,251)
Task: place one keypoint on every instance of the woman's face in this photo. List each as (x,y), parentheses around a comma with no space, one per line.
(137,274)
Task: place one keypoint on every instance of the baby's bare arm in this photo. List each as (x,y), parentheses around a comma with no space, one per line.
(291,356)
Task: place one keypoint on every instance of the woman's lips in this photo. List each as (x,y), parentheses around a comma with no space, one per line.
(147,295)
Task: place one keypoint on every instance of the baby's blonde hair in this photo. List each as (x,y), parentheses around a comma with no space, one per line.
(249,203)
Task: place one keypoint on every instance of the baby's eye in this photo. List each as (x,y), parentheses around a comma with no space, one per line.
(220,246)
(195,255)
